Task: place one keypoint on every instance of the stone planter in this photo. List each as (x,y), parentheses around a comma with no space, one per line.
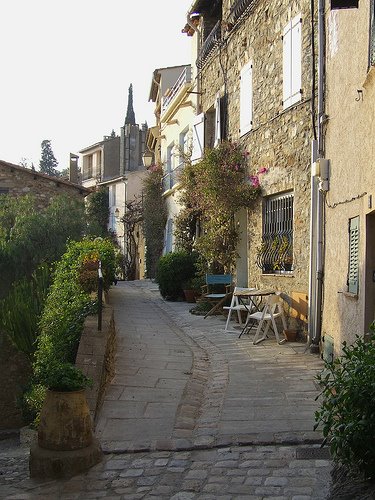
(65,444)
(65,422)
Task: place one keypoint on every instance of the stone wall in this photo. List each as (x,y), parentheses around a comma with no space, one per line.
(21,181)
(96,356)
(16,372)
(280,140)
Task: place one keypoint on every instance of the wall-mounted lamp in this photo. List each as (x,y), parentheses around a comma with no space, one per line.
(147,158)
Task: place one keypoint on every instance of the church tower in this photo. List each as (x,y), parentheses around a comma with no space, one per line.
(132,140)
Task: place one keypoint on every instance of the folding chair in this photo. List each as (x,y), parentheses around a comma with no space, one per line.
(273,308)
(236,306)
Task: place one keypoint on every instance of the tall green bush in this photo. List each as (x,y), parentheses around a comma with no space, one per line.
(97,213)
(30,236)
(154,218)
(20,310)
(173,270)
(347,411)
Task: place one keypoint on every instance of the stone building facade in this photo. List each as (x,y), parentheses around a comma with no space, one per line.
(18,181)
(254,63)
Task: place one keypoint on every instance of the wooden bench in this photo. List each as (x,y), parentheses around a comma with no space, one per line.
(214,281)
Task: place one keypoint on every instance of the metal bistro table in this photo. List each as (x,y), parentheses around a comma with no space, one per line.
(253,304)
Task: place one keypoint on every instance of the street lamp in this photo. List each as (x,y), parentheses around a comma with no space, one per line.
(147,158)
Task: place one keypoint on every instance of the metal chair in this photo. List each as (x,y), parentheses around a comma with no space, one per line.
(236,306)
(273,308)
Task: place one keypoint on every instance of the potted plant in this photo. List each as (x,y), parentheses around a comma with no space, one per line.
(192,288)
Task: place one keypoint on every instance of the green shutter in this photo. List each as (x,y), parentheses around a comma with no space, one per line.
(353,255)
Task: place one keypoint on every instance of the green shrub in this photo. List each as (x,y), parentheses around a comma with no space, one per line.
(347,411)
(63,377)
(66,307)
(173,270)
(21,309)
(31,402)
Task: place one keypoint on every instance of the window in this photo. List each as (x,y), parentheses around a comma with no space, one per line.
(112,196)
(169,167)
(292,72)
(275,254)
(217,138)
(344,4)
(246,98)
(353,255)
(169,236)
(184,145)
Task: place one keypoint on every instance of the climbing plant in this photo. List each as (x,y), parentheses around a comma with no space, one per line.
(214,189)
(154,217)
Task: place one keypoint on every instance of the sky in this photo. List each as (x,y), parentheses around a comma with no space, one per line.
(66,67)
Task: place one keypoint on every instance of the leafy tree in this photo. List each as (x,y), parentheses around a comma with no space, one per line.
(154,218)
(48,163)
(30,236)
(97,213)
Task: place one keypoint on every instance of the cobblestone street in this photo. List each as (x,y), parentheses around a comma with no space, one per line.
(194,413)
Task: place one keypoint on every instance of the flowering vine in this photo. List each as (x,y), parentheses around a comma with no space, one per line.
(215,189)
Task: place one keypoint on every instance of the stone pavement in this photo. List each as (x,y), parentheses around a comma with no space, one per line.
(194,413)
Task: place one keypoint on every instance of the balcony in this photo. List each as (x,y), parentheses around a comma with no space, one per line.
(183,80)
(209,44)
(238,8)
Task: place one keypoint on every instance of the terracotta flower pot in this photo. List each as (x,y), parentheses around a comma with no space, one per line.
(290,335)
(189,296)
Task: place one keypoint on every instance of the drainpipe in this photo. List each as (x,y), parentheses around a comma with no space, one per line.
(319,185)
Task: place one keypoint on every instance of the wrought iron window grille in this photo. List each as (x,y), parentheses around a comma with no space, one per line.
(275,254)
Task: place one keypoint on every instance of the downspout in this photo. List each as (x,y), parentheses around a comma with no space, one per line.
(318,189)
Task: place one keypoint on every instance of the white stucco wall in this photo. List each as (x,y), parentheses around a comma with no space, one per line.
(350,132)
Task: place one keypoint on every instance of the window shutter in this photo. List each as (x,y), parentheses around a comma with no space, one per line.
(296,77)
(198,137)
(287,65)
(292,62)
(223,117)
(353,255)
(217,121)
(246,98)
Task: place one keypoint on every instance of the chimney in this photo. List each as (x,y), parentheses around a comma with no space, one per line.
(73,168)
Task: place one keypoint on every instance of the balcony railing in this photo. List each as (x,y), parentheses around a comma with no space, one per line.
(238,8)
(209,44)
(182,80)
